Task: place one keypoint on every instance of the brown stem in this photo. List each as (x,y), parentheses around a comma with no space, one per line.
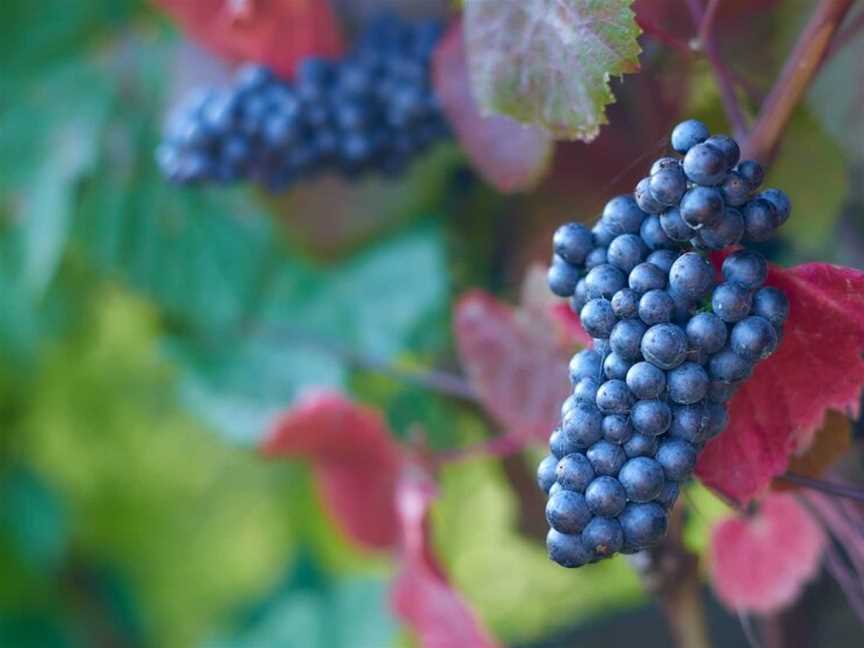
(796,75)
(671,572)
(725,83)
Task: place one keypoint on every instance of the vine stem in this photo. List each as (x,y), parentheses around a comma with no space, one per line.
(800,69)
(725,83)
(831,488)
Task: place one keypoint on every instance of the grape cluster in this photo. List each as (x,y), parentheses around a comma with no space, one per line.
(373,110)
(672,343)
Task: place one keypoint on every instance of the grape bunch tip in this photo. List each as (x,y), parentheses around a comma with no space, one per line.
(671,342)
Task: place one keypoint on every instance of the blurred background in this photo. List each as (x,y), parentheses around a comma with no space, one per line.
(149,333)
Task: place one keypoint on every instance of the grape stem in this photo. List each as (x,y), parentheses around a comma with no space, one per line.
(725,82)
(801,66)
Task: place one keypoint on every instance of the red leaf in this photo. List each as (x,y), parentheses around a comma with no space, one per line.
(515,363)
(509,155)
(355,458)
(818,366)
(760,563)
(276,33)
(421,595)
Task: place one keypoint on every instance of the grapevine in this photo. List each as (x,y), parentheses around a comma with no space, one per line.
(672,343)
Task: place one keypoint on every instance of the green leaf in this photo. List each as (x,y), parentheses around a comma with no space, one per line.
(52,133)
(343,613)
(34,517)
(548,62)
(311,325)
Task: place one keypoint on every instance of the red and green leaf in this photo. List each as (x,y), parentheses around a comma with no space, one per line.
(818,366)
(510,156)
(548,62)
(760,562)
(276,33)
(355,458)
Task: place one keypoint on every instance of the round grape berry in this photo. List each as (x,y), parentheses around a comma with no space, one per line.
(603,536)
(664,163)
(572,242)
(771,304)
(687,134)
(705,164)
(653,234)
(729,366)
(731,301)
(646,276)
(663,259)
(546,473)
(567,512)
(596,257)
(656,307)
(598,318)
(567,550)
(668,495)
(646,381)
(687,383)
(556,443)
(689,422)
(615,367)
(626,252)
(706,332)
(562,277)
(668,185)
(745,267)
(781,203)
(613,397)
(645,199)
(642,479)
(651,417)
(617,428)
(606,458)
(753,338)
(585,391)
(691,276)
(752,173)
(580,296)
(760,219)
(702,206)
(605,496)
(622,215)
(725,233)
(678,458)
(664,346)
(674,226)
(735,189)
(643,524)
(585,364)
(582,426)
(574,472)
(728,146)
(626,338)
(604,281)
(625,303)
(640,445)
